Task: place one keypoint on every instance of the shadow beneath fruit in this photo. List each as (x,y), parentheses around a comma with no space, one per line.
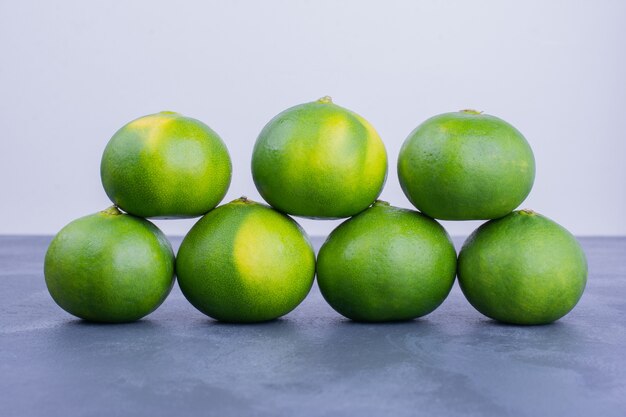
(350,322)
(82,332)
(143,324)
(496,323)
(280,328)
(348,348)
(81,337)
(558,336)
(274,322)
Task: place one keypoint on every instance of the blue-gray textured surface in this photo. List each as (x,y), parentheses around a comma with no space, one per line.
(312,362)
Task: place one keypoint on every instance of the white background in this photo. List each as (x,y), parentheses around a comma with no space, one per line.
(73,72)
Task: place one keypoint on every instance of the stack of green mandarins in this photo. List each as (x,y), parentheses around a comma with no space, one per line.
(249,262)
(385,263)
(519,267)
(116,266)
(241,262)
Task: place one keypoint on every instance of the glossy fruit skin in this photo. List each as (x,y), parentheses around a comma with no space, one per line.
(109,267)
(166,165)
(386,264)
(522,269)
(319,160)
(245,262)
(466,166)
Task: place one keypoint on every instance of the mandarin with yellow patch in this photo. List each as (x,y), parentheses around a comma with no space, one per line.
(166,165)
(319,160)
(245,262)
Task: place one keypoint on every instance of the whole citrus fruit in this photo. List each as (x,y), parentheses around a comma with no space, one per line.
(522,269)
(109,267)
(319,160)
(245,262)
(385,264)
(466,166)
(166,165)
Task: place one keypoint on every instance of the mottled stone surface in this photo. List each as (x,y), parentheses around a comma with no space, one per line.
(311,362)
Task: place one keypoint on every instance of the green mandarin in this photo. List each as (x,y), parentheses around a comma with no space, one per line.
(319,160)
(386,264)
(466,166)
(522,269)
(109,267)
(245,262)
(166,165)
